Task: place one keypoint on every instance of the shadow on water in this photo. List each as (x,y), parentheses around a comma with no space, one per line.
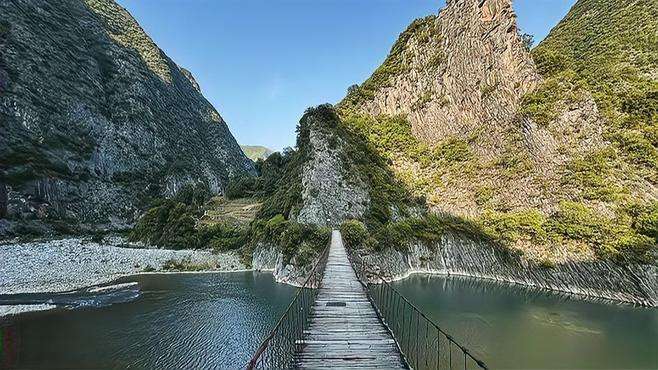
(179,321)
(514,327)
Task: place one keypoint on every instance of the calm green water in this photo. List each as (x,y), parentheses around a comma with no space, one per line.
(514,327)
(193,321)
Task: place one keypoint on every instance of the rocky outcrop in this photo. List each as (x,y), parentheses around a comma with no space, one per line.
(462,77)
(461,71)
(462,256)
(330,195)
(511,144)
(268,257)
(95,119)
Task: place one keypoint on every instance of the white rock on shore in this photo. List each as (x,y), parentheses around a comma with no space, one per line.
(70,264)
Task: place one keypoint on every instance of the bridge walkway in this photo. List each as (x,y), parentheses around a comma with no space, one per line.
(345,330)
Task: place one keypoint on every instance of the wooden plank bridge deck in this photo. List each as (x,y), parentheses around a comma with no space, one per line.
(345,330)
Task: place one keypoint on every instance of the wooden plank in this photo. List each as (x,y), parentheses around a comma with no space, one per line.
(350,335)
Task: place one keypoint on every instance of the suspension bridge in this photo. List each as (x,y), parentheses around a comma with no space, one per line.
(340,319)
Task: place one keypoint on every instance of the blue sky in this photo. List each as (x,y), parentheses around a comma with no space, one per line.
(261,63)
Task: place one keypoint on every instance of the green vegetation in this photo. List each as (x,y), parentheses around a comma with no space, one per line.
(426,228)
(187,265)
(592,174)
(610,49)
(423,30)
(628,237)
(171,223)
(174,223)
(543,106)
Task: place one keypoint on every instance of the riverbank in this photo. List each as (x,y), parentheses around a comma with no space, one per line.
(57,266)
(457,255)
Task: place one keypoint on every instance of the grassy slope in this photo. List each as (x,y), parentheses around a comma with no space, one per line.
(611,48)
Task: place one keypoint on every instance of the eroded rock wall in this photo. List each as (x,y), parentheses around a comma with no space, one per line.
(461,256)
(268,257)
(328,197)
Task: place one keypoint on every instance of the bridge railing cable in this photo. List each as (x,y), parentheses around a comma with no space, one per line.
(278,348)
(422,342)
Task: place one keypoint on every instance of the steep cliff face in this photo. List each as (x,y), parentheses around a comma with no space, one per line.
(552,153)
(460,78)
(453,74)
(457,255)
(481,132)
(95,119)
(331,193)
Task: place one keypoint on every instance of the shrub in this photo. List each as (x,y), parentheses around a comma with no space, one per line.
(510,227)
(542,105)
(194,195)
(645,219)
(452,150)
(354,233)
(309,239)
(549,62)
(592,175)
(638,148)
(223,237)
(169,224)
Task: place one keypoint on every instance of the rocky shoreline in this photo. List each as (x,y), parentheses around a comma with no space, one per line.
(58,266)
(460,256)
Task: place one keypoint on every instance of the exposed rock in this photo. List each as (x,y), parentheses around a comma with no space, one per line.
(462,76)
(95,118)
(69,264)
(524,144)
(463,71)
(268,257)
(329,197)
(457,255)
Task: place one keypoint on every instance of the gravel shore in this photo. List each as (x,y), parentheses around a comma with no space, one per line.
(70,264)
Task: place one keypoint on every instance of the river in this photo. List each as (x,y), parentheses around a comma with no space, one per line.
(509,326)
(190,321)
(217,321)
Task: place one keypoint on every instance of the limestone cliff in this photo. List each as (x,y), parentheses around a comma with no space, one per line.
(95,119)
(550,153)
(490,136)
(331,193)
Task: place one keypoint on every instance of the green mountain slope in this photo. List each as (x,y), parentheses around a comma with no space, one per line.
(611,48)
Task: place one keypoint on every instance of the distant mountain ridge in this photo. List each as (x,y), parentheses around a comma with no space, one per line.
(256,152)
(95,120)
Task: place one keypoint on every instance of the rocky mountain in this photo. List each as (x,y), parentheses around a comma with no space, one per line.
(256,152)
(95,119)
(539,166)
(471,123)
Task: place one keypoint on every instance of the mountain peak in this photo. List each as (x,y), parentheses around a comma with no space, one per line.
(453,74)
